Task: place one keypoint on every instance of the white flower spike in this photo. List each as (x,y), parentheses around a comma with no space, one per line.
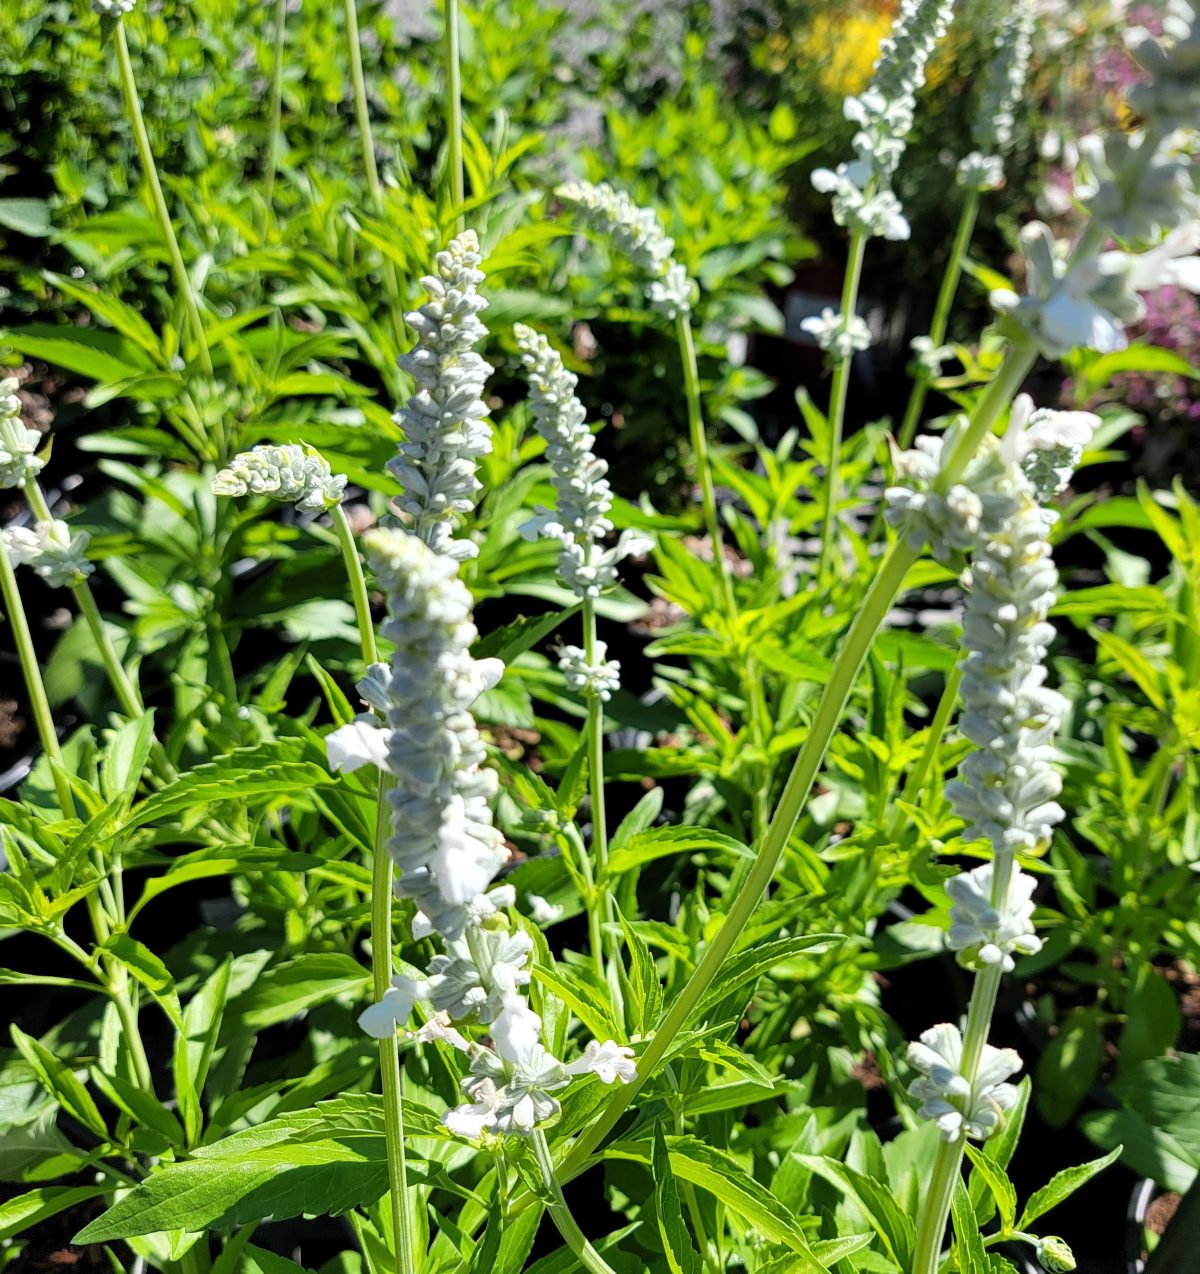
(291,474)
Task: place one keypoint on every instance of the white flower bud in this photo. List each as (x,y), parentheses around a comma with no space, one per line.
(291,474)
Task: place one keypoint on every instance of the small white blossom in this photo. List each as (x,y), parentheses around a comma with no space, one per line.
(18,444)
(362,741)
(637,234)
(959,1107)
(478,971)
(113,8)
(1135,197)
(601,678)
(291,474)
(543,912)
(928,356)
(1173,263)
(444,422)
(1051,444)
(380,1019)
(22,545)
(985,934)
(55,554)
(610,1061)
(877,213)
(981,172)
(440,1030)
(837,335)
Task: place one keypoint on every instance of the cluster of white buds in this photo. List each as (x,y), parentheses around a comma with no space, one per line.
(1137,187)
(444,422)
(291,474)
(1006,787)
(448,851)
(884,114)
(18,443)
(113,8)
(929,357)
(959,1106)
(994,125)
(637,234)
(600,678)
(579,521)
(838,336)
(983,933)
(52,550)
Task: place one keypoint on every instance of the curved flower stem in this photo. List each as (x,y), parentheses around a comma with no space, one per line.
(146,156)
(358,584)
(937,729)
(880,597)
(837,398)
(560,1214)
(454,148)
(941,315)
(699,440)
(275,139)
(366,138)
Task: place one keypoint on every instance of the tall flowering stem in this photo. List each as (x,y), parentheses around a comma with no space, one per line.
(150,171)
(454,147)
(577,523)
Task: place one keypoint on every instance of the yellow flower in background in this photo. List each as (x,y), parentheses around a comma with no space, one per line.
(843,46)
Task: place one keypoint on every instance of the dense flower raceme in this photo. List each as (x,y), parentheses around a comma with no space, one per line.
(291,474)
(444,422)
(448,852)
(1006,787)
(18,443)
(1137,187)
(637,234)
(994,124)
(883,112)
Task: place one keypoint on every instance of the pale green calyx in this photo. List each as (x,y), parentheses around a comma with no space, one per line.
(1055,1255)
(291,474)
(445,421)
(18,463)
(637,234)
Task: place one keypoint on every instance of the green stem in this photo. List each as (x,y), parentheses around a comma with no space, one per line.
(917,776)
(358,584)
(699,441)
(560,1214)
(837,397)
(941,315)
(118,987)
(389,1055)
(42,716)
(274,143)
(454,149)
(142,139)
(878,601)
(366,139)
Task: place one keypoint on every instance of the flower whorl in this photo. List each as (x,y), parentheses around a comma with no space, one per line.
(443,840)
(637,234)
(291,474)
(445,430)
(18,443)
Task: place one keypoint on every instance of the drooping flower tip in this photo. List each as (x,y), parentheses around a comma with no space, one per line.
(291,474)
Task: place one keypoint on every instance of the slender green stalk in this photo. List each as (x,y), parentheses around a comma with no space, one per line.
(879,599)
(389,1055)
(699,441)
(837,398)
(381,931)
(366,140)
(275,140)
(150,171)
(358,584)
(595,748)
(454,148)
(560,1214)
(34,685)
(941,315)
(937,729)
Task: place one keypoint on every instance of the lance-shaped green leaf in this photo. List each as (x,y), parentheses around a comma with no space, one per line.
(1062,1185)
(682,1257)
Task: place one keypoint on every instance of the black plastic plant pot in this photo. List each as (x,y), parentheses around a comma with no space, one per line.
(1177,1250)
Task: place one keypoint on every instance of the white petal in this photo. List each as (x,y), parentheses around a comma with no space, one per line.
(362,742)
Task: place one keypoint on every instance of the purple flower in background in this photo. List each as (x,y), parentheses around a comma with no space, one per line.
(1173,322)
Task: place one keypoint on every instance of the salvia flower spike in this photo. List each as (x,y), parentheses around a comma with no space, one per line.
(637,234)
(291,474)
(993,127)
(445,420)
(18,443)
